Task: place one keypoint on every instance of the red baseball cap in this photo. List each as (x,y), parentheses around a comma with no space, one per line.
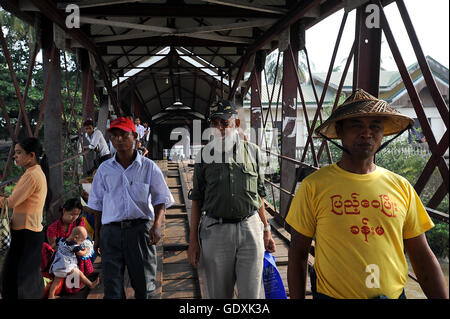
(123,123)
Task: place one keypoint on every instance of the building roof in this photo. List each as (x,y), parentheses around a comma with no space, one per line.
(307,91)
(391,83)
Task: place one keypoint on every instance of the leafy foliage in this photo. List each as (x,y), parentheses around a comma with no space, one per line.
(438,240)
(19,38)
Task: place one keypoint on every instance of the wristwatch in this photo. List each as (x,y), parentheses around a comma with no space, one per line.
(267,228)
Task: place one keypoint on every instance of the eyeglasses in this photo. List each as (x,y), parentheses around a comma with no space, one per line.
(219,122)
(123,135)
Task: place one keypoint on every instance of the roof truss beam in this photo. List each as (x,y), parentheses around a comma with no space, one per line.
(174,10)
(95,3)
(248,6)
(128,25)
(180,32)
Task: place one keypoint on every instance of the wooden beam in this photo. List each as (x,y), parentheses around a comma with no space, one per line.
(121,37)
(159,41)
(95,3)
(15,8)
(150,34)
(230,26)
(53,143)
(297,12)
(216,37)
(49,9)
(128,25)
(248,6)
(174,10)
(155,30)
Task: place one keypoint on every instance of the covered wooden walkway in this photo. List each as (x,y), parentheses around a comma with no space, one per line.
(168,61)
(176,279)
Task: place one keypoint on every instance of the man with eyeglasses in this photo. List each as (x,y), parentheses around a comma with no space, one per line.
(128,191)
(229,231)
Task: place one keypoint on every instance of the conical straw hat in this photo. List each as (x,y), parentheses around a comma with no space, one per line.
(362,104)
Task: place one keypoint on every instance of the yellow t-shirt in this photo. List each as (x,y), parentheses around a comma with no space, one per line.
(359,222)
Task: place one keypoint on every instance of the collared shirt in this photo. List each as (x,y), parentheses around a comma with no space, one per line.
(140,130)
(28,200)
(232,188)
(130,193)
(97,142)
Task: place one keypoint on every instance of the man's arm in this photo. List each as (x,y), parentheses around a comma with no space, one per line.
(89,210)
(194,247)
(97,231)
(298,264)
(269,243)
(155,231)
(426,267)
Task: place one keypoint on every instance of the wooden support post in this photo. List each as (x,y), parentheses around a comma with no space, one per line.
(88,86)
(52,121)
(87,98)
(256,107)
(367,56)
(103,113)
(289,117)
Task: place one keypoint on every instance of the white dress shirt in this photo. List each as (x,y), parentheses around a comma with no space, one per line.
(140,130)
(130,193)
(98,143)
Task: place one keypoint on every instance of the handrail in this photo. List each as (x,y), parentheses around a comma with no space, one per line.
(9,182)
(443,217)
(68,159)
(292,160)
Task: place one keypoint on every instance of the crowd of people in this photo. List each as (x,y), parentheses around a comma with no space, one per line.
(361,216)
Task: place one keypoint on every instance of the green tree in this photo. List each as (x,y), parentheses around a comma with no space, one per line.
(20,43)
(271,64)
(18,36)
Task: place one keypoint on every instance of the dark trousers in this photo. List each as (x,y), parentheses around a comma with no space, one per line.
(100,160)
(128,247)
(22,277)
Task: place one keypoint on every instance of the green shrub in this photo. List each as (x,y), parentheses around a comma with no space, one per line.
(438,240)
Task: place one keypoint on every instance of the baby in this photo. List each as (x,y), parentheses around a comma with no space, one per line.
(65,262)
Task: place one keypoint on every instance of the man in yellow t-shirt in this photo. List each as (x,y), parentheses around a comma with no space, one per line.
(362,216)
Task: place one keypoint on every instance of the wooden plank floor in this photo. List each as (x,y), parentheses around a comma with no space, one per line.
(175,277)
(179,279)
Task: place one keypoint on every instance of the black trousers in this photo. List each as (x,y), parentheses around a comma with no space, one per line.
(128,248)
(22,277)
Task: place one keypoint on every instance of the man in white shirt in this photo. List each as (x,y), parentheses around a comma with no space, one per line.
(146,138)
(139,128)
(128,191)
(96,141)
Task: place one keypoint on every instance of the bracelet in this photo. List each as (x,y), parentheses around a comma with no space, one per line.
(267,228)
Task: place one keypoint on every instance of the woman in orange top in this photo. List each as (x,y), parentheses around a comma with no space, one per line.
(22,278)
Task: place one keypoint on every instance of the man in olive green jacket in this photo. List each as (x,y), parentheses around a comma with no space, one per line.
(229,231)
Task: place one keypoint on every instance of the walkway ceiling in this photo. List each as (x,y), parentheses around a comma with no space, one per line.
(175,52)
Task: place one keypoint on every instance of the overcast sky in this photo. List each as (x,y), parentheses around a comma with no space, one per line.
(431,23)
